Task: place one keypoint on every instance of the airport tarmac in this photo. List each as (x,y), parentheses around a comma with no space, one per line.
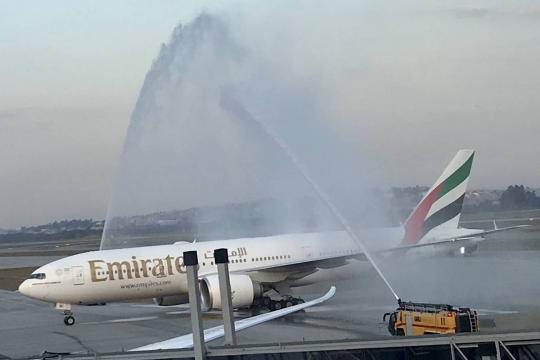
(502,284)
(486,282)
(29,327)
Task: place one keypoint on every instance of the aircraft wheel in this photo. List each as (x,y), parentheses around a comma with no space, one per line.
(289,304)
(277,305)
(69,320)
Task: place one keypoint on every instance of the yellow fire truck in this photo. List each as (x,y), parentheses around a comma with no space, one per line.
(413,319)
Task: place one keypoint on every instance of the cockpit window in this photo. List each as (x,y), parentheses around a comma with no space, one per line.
(39,276)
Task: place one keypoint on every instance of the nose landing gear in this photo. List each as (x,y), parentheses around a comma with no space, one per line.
(69,319)
(68,314)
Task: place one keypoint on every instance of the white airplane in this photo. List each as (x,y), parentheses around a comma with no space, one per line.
(258,265)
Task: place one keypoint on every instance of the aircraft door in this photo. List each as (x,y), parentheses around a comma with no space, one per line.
(77,274)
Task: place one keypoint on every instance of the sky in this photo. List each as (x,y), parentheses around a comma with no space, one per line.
(414,80)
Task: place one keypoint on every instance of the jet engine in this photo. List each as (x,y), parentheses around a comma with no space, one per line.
(171,300)
(243,291)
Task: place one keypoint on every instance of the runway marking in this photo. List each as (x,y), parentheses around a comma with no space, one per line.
(501,312)
(177,312)
(338,308)
(381,308)
(142,318)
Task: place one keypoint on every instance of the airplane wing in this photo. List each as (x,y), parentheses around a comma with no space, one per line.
(186,341)
(455,240)
(498,229)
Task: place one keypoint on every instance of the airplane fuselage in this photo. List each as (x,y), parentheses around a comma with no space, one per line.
(156,271)
(153,271)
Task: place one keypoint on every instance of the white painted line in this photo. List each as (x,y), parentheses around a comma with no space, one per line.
(501,312)
(177,312)
(142,318)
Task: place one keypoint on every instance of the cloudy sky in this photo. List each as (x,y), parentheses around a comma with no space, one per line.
(415,80)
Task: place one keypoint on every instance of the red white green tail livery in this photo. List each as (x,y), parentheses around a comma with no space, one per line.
(441,206)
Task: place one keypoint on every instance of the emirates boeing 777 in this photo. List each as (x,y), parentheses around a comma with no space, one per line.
(258,264)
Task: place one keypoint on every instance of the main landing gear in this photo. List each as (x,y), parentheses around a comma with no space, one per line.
(277,304)
(68,314)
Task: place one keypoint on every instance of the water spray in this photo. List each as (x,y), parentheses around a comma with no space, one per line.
(307,177)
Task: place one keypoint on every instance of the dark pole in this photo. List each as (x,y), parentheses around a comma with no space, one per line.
(192,263)
(222,261)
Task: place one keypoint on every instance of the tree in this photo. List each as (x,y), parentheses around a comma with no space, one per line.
(518,197)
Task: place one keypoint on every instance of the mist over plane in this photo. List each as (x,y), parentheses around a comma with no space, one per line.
(195,142)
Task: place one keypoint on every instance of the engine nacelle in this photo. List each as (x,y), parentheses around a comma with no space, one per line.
(171,300)
(243,291)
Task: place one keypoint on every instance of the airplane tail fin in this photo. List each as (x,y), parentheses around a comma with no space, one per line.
(442,204)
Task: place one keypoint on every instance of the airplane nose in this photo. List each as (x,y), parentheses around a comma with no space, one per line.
(24,288)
